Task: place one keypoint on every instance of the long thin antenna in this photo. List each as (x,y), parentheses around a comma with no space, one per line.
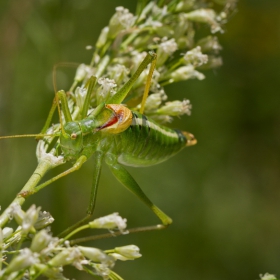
(28,135)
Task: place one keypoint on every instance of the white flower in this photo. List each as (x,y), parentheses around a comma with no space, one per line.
(119,73)
(25,259)
(130,252)
(30,218)
(80,93)
(106,88)
(40,241)
(82,71)
(268,276)
(168,46)
(162,118)
(67,256)
(209,43)
(206,16)
(15,211)
(110,222)
(102,270)
(7,232)
(154,100)
(195,57)
(213,62)
(176,108)
(44,220)
(1,243)
(184,5)
(185,73)
(124,17)
(102,37)
(165,49)
(121,20)
(96,255)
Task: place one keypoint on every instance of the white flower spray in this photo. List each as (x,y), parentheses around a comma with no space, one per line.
(169,29)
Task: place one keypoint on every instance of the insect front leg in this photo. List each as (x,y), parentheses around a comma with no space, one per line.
(128,181)
(96,176)
(76,166)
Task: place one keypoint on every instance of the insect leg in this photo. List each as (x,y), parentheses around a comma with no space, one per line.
(90,85)
(122,93)
(77,165)
(54,103)
(128,181)
(148,84)
(96,175)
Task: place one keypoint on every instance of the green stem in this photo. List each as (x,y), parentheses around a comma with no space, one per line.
(75,231)
(40,171)
(115,233)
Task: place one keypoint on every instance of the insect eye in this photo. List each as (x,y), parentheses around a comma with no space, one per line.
(73,136)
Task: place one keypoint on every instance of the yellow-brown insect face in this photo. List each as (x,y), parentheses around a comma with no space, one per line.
(119,120)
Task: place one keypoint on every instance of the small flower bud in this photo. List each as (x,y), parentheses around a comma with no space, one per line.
(96,255)
(65,257)
(185,73)
(25,259)
(15,211)
(44,220)
(121,20)
(176,108)
(102,270)
(195,57)
(118,257)
(118,73)
(112,221)
(80,93)
(30,218)
(154,100)
(106,89)
(268,276)
(49,272)
(165,49)
(80,72)
(1,242)
(40,241)
(205,16)
(101,41)
(162,118)
(7,232)
(184,6)
(130,252)
(213,62)
(209,44)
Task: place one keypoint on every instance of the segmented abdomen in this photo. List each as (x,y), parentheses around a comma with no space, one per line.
(146,143)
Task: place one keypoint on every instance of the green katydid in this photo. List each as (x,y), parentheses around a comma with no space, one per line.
(117,135)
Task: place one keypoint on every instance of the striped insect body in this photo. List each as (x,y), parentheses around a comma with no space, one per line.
(114,134)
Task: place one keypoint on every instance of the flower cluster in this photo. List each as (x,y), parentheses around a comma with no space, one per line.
(268,276)
(169,29)
(47,255)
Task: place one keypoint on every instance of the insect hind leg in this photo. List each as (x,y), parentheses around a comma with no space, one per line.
(128,181)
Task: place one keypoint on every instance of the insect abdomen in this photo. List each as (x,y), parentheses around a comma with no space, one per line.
(146,143)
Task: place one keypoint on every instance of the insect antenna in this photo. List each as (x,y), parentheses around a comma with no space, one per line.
(28,135)
(55,100)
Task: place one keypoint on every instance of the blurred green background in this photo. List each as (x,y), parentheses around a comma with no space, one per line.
(223,194)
